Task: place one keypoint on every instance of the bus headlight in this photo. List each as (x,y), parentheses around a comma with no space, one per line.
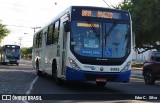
(73,64)
(126,67)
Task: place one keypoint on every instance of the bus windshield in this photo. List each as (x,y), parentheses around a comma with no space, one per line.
(113,40)
(12,52)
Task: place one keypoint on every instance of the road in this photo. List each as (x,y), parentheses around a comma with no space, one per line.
(22,80)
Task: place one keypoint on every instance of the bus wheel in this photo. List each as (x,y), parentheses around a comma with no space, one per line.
(101,84)
(54,73)
(17,64)
(38,72)
(54,68)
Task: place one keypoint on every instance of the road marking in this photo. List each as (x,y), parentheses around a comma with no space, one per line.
(31,85)
(25,101)
(30,88)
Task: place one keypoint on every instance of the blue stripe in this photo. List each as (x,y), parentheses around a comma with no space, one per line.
(79,75)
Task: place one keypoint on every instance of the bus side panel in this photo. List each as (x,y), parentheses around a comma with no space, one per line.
(50,54)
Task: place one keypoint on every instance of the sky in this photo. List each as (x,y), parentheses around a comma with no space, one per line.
(21,16)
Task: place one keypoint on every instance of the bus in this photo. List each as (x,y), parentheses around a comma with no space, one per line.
(10,54)
(85,43)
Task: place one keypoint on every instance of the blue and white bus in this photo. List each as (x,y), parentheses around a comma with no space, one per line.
(85,44)
(10,54)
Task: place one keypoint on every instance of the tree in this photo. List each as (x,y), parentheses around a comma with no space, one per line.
(145,17)
(124,5)
(26,52)
(3,31)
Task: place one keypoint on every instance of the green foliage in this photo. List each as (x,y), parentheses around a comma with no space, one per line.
(25,52)
(145,17)
(3,31)
(124,5)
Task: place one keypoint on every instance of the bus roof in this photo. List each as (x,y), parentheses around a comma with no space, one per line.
(85,7)
(11,46)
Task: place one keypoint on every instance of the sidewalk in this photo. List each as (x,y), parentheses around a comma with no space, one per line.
(136,72)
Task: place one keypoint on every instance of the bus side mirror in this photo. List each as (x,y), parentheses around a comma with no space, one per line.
(67,26)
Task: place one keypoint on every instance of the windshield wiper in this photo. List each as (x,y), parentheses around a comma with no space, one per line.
(93,27)
(109,31)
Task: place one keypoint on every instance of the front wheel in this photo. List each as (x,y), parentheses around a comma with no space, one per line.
(149,78)
(59,81)
(38,72)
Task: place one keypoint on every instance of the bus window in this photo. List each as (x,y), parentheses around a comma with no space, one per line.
(40,39)
(56,32)
(49,35)
(37,38)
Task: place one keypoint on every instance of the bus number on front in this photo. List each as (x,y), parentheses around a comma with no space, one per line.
(114,69)
(86,13)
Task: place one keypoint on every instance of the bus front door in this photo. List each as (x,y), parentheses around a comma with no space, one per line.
(64,19)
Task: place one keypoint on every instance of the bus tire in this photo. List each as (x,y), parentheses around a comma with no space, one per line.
(54,68)
(54,73)
(38,72)
(17,64)
(101,84)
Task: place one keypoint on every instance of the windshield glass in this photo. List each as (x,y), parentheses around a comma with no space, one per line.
(12,51)
(116,40)
(86,38)
(100,39)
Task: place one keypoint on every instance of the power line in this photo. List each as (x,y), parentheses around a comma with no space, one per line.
(106,3)
(19,26)
(34,28)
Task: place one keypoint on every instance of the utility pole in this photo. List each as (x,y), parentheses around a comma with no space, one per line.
(20,39)
(34,28)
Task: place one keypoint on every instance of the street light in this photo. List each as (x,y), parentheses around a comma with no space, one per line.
(27,34)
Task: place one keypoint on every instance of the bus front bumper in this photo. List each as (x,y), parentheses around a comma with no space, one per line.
(79,75)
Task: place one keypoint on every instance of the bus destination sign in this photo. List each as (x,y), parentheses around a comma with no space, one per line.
(101,14)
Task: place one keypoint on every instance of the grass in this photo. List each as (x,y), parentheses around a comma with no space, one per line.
(137,64)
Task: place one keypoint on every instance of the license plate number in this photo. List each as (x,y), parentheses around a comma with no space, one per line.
(101,80)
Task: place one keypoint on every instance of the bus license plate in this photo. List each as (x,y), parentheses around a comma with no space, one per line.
(101,80)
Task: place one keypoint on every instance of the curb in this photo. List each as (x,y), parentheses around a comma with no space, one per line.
(137,76)
(133,68)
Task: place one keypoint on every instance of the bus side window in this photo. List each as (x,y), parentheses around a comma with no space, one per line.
(50,35)
(37,39)
(56,32)
(40,39)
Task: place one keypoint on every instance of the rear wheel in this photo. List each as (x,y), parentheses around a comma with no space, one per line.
(149,77)
(38,72)
(54,68)
(101,84)
(54,73)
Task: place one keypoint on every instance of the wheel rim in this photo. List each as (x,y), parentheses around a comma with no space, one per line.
(148,77)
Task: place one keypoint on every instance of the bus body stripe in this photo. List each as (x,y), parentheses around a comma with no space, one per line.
(79,75)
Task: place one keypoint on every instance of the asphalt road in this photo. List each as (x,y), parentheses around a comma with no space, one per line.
(22,80)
